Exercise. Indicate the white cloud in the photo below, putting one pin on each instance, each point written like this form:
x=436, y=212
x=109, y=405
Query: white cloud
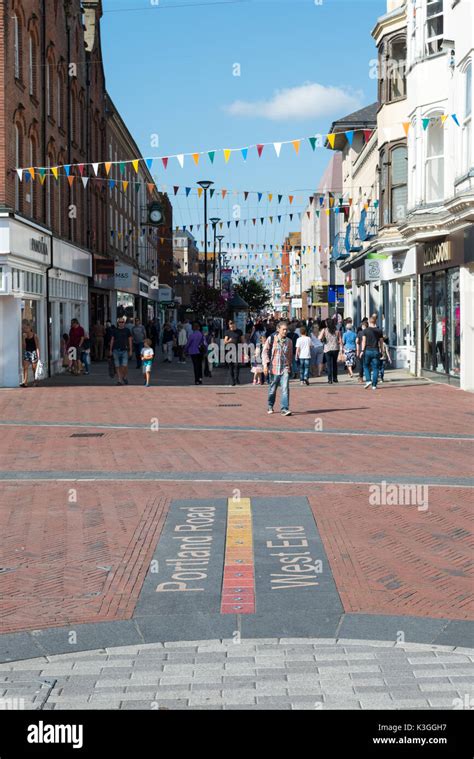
x=310, y=100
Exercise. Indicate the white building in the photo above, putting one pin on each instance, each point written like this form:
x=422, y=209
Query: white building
x=439, y=227
x=43, y=280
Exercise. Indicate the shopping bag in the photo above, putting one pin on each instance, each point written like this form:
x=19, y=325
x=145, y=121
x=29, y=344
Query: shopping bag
x=111, y=367
x=39, y=373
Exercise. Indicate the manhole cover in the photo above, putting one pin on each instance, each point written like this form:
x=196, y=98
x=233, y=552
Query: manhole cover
x=88, y=434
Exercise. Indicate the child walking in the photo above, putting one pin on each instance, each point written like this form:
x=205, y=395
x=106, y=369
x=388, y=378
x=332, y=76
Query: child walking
x=257, y=365
x=147, y=360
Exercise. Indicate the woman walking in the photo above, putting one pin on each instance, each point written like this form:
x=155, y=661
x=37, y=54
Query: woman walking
x=167, y=342
x=31, y=354
x=349, y=341
x=196, y=348
x=331, y=339
x=317, y=352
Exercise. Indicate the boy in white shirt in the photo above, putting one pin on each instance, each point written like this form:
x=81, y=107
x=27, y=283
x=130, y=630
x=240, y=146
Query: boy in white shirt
x=303, y=354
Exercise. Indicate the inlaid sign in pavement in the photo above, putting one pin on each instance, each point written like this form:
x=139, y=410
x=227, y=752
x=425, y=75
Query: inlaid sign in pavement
x=255, y=566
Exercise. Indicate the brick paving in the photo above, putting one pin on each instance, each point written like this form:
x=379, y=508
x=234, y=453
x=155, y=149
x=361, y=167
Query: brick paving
x=281, y=674
x=71, y=560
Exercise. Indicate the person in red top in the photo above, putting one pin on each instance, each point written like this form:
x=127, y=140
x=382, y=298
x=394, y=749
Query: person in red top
x=76, y=338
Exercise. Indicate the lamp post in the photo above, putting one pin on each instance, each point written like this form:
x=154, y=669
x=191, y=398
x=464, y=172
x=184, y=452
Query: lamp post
x=205, y=184
x=220, y=238
x=214, y=221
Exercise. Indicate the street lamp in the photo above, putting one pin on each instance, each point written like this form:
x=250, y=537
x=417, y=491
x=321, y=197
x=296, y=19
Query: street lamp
x=214, y=221
x=205, y=184
x=220, y=238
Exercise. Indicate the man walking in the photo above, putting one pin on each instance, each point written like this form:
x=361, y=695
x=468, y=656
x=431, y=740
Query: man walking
x=372, y=347
x=233, y=337
x=121, y=350
x=139, y=337
x=277, y=359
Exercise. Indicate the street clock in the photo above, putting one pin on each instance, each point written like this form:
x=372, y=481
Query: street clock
x=155, y=213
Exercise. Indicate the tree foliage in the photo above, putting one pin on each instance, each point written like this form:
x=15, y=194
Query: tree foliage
x=254, y=293
x=208, y=302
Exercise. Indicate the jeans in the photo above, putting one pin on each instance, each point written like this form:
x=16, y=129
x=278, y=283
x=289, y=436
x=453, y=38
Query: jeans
x=137, y=347
x=86, y=360
x=281, y=380
x=234, y=370
x=304, y=368
x=331, y=360
x=294, y=365
x=196, y=358
x=371, y=362
x=382, y=368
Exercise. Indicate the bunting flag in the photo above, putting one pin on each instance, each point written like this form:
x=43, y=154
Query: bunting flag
x=290, y=198
x=246, y=195
x=260, y=195
x=70, y=179
x=124, y=186
x=270, y=196
x=279, y=198
x=175, y=188
x=80, y=168
x=211, y=192
x=188, y=190
x=314, y=140
x=20, y=174
x=224, y=193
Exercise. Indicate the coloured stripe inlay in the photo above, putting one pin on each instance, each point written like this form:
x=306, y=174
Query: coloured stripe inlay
x=238, y=586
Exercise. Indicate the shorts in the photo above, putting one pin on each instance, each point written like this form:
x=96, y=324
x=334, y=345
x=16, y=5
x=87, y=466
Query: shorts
x=120, y=358
x=146, y=366
x=350, y=357
x=30, y=356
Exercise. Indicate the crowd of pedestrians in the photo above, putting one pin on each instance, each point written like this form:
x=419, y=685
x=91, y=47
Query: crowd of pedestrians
x=275, y=352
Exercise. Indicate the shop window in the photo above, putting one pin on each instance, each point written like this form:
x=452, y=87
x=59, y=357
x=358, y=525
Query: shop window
x=427, y=322
x=434, y=27
x=454, y=312
x=434, y=168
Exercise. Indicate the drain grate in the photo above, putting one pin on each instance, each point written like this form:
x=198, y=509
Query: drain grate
x=88, y=434
x=229, y=405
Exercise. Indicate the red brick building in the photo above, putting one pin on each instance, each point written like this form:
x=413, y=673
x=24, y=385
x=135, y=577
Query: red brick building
x=59, y=219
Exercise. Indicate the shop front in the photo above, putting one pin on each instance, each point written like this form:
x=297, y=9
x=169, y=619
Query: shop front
x=445, y=271
x=399, y=307
x=68, y=295
x=25, y=255
x=101, y=290
x=126, y=285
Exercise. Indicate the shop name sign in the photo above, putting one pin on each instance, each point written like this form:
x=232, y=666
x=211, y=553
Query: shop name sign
x=436, y=253
x=39, y=246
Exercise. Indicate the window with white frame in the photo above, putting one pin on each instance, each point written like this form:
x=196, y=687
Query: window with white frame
x=434, y=26
x=17, y=46
x=434, y=166
x=467, y=120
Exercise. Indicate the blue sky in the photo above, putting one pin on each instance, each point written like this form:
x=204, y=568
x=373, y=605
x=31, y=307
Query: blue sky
x=170, y=71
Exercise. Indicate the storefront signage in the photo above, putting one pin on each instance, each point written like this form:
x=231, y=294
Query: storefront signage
x=39, y=246
x=123, y=276
x=436, y=253
x=297, y=302
x=373, y=270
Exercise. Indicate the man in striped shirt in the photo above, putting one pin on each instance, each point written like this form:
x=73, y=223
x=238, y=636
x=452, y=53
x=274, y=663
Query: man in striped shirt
x=277, y=356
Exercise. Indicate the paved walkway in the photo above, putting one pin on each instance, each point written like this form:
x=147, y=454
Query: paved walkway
x=253, y=674
x=89, y=474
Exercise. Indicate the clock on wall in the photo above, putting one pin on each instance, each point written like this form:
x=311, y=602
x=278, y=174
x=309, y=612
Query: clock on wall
x=155, y=213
